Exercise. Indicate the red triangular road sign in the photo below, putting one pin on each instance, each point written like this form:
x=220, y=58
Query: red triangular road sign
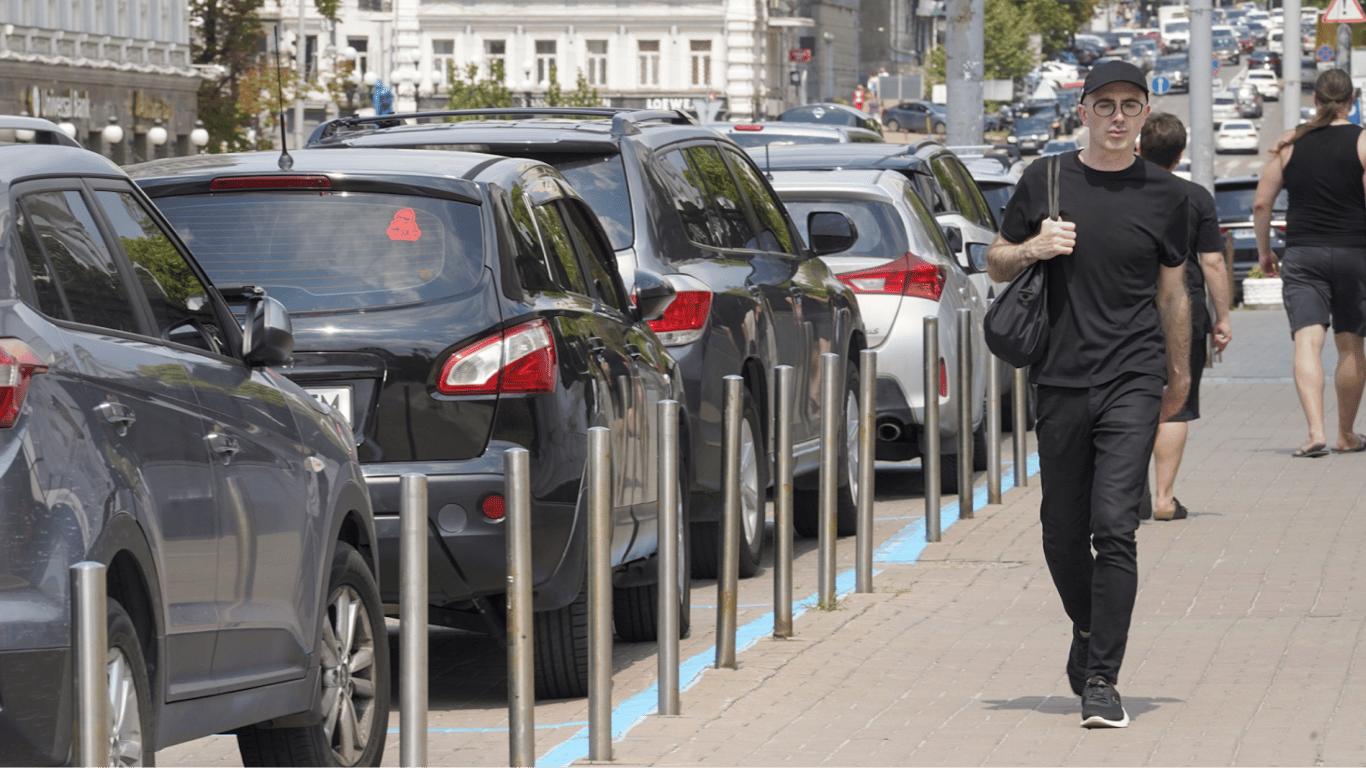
x=1345, y=12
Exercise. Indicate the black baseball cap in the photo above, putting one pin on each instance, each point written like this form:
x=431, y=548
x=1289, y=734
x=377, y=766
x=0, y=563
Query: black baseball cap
x=1113, y=72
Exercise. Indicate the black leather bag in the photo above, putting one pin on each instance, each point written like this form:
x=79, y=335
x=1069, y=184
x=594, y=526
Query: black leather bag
x=1016, y=323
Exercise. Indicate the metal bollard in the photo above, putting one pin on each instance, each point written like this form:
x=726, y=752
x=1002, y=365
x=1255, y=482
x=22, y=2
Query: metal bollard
x=782, y=508
x=521, y=622
x=90, y=655
x=831, y=378
x=867, y=407
x=964, y=328
x=728, y=580
x=993, y=430
x=599, y=594
x=412, y=612
x=1020, y=397
x=930, y=460
x=669, y=555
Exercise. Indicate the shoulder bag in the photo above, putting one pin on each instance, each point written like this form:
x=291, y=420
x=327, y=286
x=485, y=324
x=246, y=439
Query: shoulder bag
x=1016, y=323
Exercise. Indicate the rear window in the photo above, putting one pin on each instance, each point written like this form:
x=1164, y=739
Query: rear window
x=880, y=231
x=333, y=251
x=601, y=181
x=760, y=138
x=1235, y=204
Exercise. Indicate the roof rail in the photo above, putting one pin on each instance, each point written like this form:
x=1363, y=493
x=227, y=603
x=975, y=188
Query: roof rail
x=44, y=131
x=623, y=120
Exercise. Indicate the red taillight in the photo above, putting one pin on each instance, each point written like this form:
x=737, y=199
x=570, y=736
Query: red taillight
x=18, y=363
x=493, y=507
x=908, y=276
x=683, y=321
x=239, y=183
x=517, y=360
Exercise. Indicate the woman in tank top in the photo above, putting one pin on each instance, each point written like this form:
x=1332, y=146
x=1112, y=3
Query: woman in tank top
x=1322, y=165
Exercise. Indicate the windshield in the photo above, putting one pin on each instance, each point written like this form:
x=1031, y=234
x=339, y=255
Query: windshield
x=1179, y=26
x=1171, y=62
x=335, y=251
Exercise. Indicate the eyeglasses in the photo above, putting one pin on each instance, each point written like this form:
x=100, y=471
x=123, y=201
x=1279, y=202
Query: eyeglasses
x=1106, y=107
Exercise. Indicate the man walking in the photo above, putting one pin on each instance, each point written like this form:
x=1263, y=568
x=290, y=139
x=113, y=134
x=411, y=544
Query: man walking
x=1116, y=290
x=1162, y=141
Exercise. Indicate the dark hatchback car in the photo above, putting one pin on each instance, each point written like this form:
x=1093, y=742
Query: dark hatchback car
x=1030, y=134
x=141, y=428
x=451, y=306
x=679, y=200
x=1233, y=202
x=831, y=114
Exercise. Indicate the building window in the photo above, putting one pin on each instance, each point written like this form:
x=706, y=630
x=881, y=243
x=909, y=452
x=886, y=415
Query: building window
x=496, y=59
x=443, y=56
x=701, y=62
x=362, y=46
x=649, y=61
x=377, y=6
x=545, y=60
x=597, y=62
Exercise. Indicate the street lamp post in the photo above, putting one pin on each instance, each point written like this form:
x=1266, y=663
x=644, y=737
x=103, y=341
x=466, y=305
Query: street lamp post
x=526, y=70
x=113, y=140
x=156, y=136
x=199, y=136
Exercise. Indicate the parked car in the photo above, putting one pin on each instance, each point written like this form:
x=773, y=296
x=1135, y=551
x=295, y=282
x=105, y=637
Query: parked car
x=1031, y=134
x=1176, y=68
x=1058, y=146
x=902, y=269
x=759, y=134
x=142, y=429
x=919, y=116
x=681, y=201
x=1268, y=84
x=831, y=114
x=1236, y=136
x=1233, y=203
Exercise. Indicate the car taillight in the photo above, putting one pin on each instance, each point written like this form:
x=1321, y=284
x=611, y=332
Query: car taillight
x=518, y=360
x=685, y=319
x=747, y=127
x=18, y=363
x=908, y=276
x=243, y=183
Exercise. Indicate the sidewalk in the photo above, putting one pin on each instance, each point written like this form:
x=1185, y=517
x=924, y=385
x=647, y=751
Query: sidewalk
x=1244, y=648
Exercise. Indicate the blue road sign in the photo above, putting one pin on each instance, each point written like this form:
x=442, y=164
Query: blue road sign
x=1216, y=65
x=1325, y=53
x=1161, y=85
x=1354, y=114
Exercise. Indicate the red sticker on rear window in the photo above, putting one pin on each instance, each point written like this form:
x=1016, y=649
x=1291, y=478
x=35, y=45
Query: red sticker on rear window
x=404, y=226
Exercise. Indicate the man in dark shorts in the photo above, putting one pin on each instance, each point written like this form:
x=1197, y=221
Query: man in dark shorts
x=1116, y=289
x=1162, y=141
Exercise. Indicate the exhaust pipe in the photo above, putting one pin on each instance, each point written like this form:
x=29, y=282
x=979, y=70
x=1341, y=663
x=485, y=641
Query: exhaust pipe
x=888, y=431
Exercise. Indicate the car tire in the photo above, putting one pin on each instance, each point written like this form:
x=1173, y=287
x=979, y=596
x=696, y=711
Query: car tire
x=351, y=687
x=635, y=610
x=806, y=510
x=893, y=125
x=979, y=446
x=948, y=473
x=941, y=129
x=132, y=721
x=706, y=536
x=561, y=650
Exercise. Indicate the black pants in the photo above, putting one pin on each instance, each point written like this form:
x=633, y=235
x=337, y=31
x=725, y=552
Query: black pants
x=1094, y=447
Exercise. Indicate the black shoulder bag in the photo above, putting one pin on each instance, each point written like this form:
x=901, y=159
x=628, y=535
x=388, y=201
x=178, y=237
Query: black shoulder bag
x=1016, y=323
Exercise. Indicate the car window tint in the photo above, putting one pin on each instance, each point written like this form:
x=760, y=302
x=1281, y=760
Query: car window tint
x=94, y=289
x=602, y=266
x=536, y=272
x=601, y=180
x=929, y=236
x=176, y=295
x=683, y=185
x=973, y=195
x=881, y=233
x=725, y=203
x=559, y=247
x=1235, y=203
x=44, y=287
x=953, y=185
x=774, y=234
x=335, y=251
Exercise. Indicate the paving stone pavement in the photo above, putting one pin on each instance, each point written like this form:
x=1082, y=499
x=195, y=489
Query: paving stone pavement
x=1245, y=647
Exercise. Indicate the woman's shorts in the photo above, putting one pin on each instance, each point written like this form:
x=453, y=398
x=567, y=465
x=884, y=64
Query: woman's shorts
x=1325, y=286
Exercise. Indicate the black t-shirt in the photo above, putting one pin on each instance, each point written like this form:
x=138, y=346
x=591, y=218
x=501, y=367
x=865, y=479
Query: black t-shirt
x=1102, y=306
x=1205, y=238
x=1327, y=204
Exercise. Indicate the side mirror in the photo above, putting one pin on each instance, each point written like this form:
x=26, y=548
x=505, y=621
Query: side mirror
x=955, y=238
x=267, y=333
x=831, y=232
x=652, y=295
x=977, y=254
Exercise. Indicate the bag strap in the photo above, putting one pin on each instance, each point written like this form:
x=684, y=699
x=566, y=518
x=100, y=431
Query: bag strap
x=1054, y=171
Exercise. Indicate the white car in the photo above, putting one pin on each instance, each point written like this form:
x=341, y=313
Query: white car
x=1225, y=106
x=1236, y=136
x=1266, y=82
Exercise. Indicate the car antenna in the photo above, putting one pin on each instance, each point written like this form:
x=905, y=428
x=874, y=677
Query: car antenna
x=768, y=164
x=286, y=162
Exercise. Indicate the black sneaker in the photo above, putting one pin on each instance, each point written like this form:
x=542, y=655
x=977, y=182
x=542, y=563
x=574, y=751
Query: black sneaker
x=1077, y=657
x=1100, y=706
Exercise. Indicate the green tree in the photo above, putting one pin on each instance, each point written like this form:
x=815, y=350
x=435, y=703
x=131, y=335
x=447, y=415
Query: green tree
x=1005, y=31
x=468, y=91
x=228, y=34
x=583, y=94
x=1053, y=21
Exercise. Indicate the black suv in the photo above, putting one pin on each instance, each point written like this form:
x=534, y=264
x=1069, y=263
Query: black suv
x=140, y=428
x=679, y=200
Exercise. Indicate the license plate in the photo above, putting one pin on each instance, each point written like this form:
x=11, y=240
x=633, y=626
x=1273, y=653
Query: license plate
x=338, y=398
x=1244, y=234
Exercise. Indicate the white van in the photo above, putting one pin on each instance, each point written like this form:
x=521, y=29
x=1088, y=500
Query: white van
x=1275, y=40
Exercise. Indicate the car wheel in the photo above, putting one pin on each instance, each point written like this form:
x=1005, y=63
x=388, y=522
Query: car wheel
x=893, y=125
x=806, y=507
x=948, y=473
x=706, y=537
x=635, y=610
x=131, y=719
x=562, y=650
x=354, y=651
x=941, y=129
x=979, y=446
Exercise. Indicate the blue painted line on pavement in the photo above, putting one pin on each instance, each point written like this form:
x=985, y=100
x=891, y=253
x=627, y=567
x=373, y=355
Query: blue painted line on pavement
x=496, y=730
x=646, y=703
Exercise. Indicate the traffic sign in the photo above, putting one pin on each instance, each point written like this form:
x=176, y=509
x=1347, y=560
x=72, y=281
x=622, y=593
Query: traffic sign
x=1345, y=12
x=799, y=54
x=1325, y=53
x=1354, y=114
x=1216, y=65
x=1161, y=85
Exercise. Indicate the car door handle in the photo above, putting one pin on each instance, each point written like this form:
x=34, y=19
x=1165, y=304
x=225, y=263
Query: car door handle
x=754, y=289
x=223, y=446
x=596, y=344
x=118, y=414
x=795, y=290
x=633, y=351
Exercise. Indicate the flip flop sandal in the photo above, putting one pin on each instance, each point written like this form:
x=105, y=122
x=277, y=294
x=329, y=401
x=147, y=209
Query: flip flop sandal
x=1313, y=451
x=1179, y=513
x=1361, y=446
